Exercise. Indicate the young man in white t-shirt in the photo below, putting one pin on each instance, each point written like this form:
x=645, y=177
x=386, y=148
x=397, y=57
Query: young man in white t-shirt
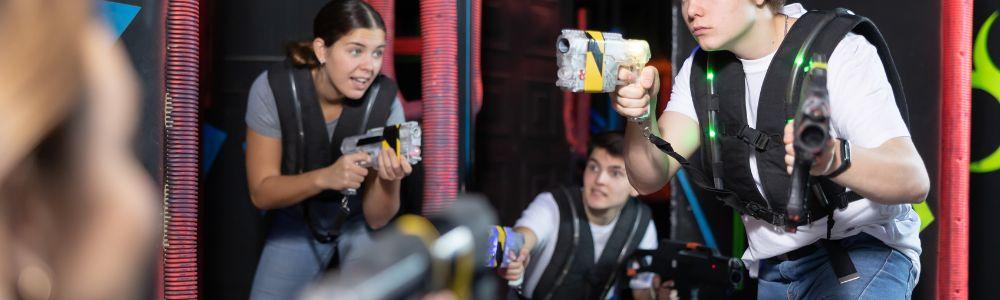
x=607, y=210
x=879, y=232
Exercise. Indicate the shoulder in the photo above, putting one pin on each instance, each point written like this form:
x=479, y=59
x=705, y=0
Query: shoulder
x=261, y=84
x=853, y=47
x=545, y=200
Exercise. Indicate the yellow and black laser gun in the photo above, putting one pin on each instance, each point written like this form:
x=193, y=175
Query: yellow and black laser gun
x=403, y=138
x=589, y=60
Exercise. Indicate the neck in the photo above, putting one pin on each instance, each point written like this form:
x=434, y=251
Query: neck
x=762, y=38
x=325, y=90
x=603, y=216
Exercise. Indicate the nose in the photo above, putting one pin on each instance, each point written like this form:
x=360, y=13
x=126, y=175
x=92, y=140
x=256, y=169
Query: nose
x=694, y=9
x=602, y=178
x=369, y=63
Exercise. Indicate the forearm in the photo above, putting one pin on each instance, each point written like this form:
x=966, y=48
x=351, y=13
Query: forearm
x=530, y=239
x=889, y=174
x=381, y=201
x=284, y=190
x=647, y=167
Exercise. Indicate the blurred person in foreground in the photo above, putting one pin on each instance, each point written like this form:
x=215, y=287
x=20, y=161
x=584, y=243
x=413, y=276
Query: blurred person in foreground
x=77, y=216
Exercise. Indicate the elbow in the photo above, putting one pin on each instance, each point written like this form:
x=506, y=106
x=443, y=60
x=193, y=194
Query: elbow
x=916, y=189
x=376, y=222
x=258, y=202
x=920, y=188
x=380, y=218
x=646, y=189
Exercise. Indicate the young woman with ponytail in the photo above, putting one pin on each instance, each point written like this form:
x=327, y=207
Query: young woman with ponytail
x=332, y=74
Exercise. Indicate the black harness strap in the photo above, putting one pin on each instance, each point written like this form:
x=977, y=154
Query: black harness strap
x=306, y=143
x=570, y=232
x=575, y=274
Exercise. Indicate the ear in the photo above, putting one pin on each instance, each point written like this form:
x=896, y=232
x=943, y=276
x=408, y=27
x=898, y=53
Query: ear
x=319, y=49
x=634, y=192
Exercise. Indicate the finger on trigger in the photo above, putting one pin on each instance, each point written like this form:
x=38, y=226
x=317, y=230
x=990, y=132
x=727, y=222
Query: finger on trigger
x=648, y=74
x=624, y=74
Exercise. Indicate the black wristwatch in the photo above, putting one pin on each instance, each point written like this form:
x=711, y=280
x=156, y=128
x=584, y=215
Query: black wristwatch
x=845, y=159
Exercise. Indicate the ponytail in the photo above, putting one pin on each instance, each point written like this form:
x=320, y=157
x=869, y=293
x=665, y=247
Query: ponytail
x=301, y=55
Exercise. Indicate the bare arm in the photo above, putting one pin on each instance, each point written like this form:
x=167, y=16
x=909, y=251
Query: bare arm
x=648, y=168
x=892, y=173
x=381, y=200
x=270, y=190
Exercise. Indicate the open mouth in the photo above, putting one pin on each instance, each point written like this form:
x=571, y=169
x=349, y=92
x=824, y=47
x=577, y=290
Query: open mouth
x=360, y=80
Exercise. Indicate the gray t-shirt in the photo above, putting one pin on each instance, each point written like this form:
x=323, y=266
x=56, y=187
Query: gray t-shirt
x=262, y=111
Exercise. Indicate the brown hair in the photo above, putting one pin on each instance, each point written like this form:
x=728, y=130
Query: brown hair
x=333, y=21
x=611, y=141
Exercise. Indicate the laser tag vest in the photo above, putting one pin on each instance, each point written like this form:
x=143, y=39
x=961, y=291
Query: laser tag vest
x=572, y=272
x=305, y=143
x=816, y=32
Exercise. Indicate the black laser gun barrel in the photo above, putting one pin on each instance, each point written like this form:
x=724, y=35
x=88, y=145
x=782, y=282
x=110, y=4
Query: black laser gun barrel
x=812, y=133
x=691, y=265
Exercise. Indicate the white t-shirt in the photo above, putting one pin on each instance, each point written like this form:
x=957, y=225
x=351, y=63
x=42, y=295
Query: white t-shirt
x=542, y=217
x=864, y=112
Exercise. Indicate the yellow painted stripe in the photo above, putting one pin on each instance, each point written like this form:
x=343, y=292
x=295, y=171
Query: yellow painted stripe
x=593, y=81
x=502, y=240
x=599, y=37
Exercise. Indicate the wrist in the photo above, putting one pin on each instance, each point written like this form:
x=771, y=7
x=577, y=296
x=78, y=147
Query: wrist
x=843, y=159
x=318, y=181
x=834, y=159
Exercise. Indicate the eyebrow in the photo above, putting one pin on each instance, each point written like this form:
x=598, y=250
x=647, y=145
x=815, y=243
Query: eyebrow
x=364, y=46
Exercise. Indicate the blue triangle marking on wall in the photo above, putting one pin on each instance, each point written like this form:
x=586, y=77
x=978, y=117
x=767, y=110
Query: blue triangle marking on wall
x=118, y=16
x=211, y=143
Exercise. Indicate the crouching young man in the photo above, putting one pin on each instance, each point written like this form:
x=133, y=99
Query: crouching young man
x=578, y=240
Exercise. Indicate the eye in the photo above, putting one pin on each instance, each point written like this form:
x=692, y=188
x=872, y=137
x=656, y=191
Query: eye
x=354, y=52
x=593, y=168
x=377, y=53
x=617, y=173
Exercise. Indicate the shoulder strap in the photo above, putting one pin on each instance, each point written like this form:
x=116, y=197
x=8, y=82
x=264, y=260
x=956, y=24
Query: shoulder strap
x=846, y=21
x=572, y=230
x=289, y=116
x=628, y=232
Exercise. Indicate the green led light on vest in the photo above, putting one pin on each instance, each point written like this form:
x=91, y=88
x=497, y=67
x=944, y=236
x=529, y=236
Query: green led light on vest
x=711, y=75
x=799, y=59
x=711, y=131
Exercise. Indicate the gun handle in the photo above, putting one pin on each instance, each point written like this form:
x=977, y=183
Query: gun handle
x=516, y=283
x=796, y=197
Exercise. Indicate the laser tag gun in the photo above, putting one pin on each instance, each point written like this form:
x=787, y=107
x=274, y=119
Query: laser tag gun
x=403, y=138
x=503, y=241
x=812, y=133
x=417, y=255
x=589, y=60
x=690, y=265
